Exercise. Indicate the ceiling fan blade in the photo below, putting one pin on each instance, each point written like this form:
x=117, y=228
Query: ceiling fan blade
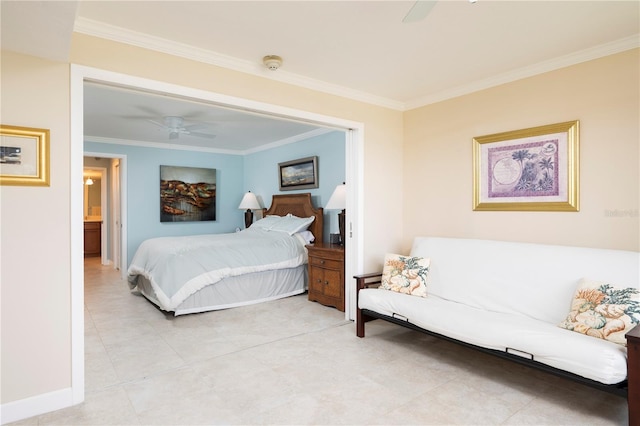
x=195, y=126
x=202, y=135
x=157, y=123
x=419, y=11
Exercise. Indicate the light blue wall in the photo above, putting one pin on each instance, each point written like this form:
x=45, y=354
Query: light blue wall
x=143, y=191
x=261, y=171
x=235, y=174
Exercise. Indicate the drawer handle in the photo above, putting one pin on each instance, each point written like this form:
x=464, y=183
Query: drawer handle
x=322, y=261
x=319, y=280
x=326, y=282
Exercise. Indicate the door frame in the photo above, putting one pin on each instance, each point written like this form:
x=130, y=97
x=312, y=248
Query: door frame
x=354, y=148
x=107, y=230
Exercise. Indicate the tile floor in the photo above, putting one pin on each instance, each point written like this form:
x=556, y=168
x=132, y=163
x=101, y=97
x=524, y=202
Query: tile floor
x=297, y=362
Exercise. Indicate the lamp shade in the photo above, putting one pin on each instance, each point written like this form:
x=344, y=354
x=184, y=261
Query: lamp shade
x=338, y=200
x=249, y=201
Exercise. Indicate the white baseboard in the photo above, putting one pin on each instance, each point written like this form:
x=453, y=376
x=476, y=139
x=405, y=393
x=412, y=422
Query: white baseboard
x=33, y=406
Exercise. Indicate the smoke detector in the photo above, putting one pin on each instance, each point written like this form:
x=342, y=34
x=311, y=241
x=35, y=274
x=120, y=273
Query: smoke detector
x=273, y=62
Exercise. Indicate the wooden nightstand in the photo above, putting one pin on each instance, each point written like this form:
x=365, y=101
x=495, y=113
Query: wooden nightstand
x=326, y=274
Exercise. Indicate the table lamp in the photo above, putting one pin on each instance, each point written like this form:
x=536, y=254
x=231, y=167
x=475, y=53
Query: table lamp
x=338, y=201
x=249, y=202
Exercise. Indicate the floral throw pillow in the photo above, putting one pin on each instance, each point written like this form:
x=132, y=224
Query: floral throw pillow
x=405, y=274
x=601, y=310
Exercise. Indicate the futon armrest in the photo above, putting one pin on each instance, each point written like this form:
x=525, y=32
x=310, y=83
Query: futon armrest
x=364, y=281
x=634, y=333
x=368, y=280
x=633, y=374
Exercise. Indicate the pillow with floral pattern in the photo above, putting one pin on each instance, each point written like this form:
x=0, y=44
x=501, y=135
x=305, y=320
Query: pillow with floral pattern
x=604, y=311
x=405, y=274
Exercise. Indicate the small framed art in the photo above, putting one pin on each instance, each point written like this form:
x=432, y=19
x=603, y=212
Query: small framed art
x=298, y=174
x=24, y=156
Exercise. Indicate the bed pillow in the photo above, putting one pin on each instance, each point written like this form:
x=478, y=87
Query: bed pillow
x=601, y=310
x=292, y=224
x=305, y=236
x=266, y=222
x=405, y=274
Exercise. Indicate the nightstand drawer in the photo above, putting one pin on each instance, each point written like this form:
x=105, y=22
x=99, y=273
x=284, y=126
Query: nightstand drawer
x=325, y=263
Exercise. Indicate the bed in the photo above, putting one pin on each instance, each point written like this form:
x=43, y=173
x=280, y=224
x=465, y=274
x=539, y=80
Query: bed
x=200, y=273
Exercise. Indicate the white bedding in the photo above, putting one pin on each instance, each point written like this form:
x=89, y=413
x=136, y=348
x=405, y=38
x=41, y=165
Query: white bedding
x=178, y=267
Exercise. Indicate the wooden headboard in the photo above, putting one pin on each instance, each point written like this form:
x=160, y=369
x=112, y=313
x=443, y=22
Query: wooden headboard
x=298, y=205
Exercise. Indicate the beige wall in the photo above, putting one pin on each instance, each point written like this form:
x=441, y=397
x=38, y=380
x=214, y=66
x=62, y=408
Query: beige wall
x=426, y=185
x=35, y=238
x=36, y=286
x=603, y=94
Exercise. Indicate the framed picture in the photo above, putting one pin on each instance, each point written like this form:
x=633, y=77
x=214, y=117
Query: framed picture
x=24, y=156
x=298, y=174
x=532, y=169
x=187, y=194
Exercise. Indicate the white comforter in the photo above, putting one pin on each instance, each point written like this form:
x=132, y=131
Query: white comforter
x=177, y=267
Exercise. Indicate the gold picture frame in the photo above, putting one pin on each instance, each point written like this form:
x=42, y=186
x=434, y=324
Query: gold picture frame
x=534, y=169
x=24, y=156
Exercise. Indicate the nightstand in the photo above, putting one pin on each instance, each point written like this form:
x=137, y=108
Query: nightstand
x=326, y=274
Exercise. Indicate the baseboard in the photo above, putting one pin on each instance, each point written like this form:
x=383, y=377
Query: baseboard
x=36, y=405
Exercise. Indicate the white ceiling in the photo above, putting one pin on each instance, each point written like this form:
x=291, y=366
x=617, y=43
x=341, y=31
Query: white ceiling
x=357, y=49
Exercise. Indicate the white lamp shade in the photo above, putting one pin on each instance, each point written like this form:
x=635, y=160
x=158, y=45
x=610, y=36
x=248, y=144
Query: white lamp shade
x=249, y=201
x=338, y=200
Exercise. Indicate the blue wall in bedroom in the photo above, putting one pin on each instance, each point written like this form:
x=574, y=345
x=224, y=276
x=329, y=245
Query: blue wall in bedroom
x=261, y=172
x=143, y=190
x=235, y=174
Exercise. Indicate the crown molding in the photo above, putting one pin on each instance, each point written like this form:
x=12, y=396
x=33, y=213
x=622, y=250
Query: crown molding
x=303, y=136
x=146, y=41
x=575, y=58
x=122, y=35
x=158, y=145
x=186, y=147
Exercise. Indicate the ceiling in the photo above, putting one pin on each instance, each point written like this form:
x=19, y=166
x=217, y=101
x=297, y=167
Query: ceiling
x=356, y=49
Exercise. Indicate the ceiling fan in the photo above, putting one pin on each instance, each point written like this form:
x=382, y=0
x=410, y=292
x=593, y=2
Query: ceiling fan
x=419, y=11
x=175, y=127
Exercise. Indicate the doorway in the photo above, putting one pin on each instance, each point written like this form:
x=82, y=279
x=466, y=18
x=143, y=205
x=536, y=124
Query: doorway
x=110, y=212
x=353, y=173
x=95, y=210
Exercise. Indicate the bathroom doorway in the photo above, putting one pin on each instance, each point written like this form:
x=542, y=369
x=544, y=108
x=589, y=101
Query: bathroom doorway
x=107, y=171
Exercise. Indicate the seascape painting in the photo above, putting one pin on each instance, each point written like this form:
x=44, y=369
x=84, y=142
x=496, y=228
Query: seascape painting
x=187, y=194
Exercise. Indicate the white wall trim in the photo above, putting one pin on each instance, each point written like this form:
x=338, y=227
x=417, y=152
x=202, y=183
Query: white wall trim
x=146, y=41
x=77, y=235
x=35, y=405
x=575, y=58
x=122, y=35
x=184, y=147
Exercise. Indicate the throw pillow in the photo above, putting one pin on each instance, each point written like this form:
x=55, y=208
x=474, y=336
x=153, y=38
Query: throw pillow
x=405, y=274
x=604, y=311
